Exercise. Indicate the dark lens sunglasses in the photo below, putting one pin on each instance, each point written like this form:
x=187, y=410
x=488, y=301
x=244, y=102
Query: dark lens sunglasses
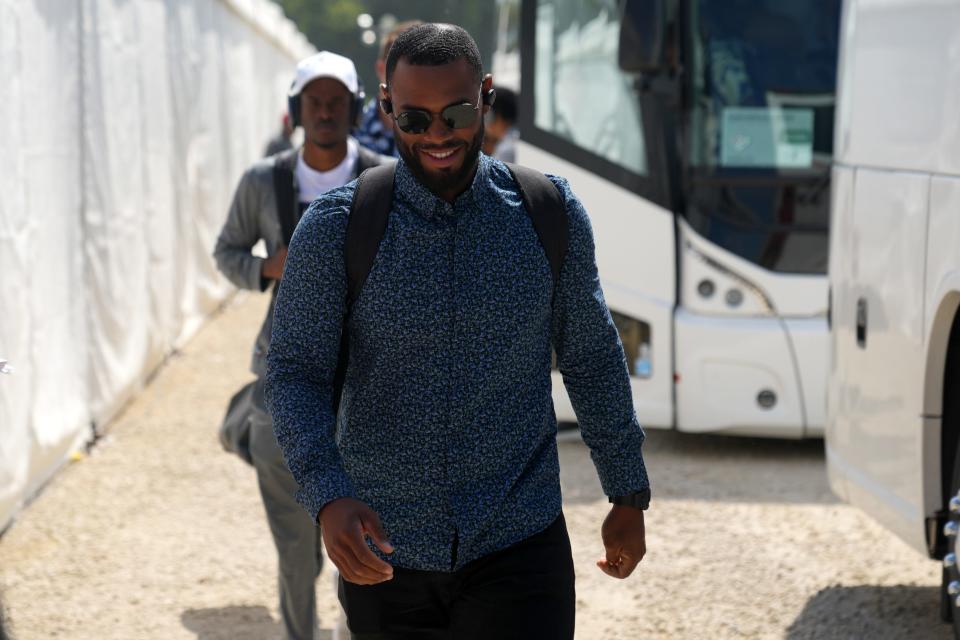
x=416, y=121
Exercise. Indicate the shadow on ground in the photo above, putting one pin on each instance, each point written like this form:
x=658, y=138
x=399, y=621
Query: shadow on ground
x=882, y=613
x=236, y=623
x=689, y=466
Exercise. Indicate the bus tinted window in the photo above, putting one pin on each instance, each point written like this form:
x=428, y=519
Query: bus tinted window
x=763, y=83
x=580, y=93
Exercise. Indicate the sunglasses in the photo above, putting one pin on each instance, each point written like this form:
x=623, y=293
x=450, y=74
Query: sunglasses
x=416, y=121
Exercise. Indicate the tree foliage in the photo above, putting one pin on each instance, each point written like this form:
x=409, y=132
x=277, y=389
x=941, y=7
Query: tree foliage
x=332, y=25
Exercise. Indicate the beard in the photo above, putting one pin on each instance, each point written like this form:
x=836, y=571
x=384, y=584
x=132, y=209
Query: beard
x=325, y=134
x=325, y=145
x=446, y=180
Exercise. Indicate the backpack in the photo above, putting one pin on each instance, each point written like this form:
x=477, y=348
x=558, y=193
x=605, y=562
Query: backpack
x=370, y=211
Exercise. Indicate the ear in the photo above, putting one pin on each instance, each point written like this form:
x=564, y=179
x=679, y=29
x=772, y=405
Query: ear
x=386, y=104
x=488, y=92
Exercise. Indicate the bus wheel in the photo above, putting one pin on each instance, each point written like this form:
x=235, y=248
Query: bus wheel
x=950, y=590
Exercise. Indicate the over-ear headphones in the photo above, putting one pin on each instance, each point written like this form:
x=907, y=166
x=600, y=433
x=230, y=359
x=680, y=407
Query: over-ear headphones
x=293, y=108
x=356, y=106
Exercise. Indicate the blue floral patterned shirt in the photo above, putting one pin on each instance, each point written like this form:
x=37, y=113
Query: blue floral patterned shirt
x=447, y=428
x=372, y=134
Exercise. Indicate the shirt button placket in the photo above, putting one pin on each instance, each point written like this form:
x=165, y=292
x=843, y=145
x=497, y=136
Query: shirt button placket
x=455, y=418
x=450, y=338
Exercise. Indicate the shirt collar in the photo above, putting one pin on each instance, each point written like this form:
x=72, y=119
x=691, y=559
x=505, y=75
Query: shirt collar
x=428, y=203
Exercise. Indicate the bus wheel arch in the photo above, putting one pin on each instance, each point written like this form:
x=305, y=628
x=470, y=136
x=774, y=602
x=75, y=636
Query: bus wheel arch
x=941, y=449
x=942, y=375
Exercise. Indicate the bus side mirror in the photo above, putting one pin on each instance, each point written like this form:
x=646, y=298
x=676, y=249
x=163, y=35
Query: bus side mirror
x=642, y=36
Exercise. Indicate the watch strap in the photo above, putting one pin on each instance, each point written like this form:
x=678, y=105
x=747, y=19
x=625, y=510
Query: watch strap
x=637, y=499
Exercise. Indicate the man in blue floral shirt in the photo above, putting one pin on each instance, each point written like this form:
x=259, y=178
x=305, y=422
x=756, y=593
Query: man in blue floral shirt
x=437, y=485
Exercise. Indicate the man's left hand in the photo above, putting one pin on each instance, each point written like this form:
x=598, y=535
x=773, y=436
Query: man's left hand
x=624, y=537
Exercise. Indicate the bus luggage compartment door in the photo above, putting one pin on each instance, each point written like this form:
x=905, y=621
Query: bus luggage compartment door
x=759, y=376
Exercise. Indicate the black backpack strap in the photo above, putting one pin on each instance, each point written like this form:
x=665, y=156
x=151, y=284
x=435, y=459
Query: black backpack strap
x=367, y=159
x=283, y=191
x=547, y=211
x=369, y=212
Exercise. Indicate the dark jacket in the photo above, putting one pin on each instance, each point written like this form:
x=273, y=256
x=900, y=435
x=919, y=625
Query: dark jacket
x=253, y=217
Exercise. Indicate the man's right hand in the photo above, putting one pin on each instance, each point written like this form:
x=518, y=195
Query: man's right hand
x=344, y=524
x=272, y=267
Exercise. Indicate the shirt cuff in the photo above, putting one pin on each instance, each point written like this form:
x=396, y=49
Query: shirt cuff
x=314, y=497
x=622, y=472
x=255, y=276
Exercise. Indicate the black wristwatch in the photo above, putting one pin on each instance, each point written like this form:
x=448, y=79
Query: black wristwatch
x=637, y=499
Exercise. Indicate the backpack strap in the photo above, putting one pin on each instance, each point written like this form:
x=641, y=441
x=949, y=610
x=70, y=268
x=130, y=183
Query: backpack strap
x=367, y=159
x=369, y=212
x=367, y=224
x=283, y=191
x=547, y=211
x=373, y=198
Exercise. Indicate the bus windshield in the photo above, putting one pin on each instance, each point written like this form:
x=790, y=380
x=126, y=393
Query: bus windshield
x=763, y=83
x=759, y=128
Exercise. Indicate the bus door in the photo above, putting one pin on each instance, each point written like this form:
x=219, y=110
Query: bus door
x=582, y=118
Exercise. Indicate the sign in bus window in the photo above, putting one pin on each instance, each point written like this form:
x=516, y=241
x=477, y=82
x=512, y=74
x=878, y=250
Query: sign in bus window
x=765, y=137
x=635, y=336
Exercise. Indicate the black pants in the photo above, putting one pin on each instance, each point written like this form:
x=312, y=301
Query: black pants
x=525, y=592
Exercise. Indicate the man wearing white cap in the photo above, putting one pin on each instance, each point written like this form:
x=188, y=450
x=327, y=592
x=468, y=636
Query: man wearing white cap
x=325, y=99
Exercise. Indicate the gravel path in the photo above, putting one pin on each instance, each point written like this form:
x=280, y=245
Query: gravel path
x=159, y=534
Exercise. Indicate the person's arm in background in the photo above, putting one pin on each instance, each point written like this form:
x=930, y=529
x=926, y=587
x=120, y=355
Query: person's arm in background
x=590, y=358
x=239, y=235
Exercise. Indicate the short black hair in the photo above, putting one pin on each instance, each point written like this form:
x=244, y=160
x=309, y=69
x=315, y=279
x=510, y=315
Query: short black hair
x=505, y=106
x=434, y=44
x=391, y=37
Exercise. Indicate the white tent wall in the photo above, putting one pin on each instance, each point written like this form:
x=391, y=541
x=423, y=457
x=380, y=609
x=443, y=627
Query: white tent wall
x=44, y=405
x=125, y=126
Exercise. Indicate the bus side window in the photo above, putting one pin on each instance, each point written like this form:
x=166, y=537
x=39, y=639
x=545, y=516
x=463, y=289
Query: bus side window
x=581, y=94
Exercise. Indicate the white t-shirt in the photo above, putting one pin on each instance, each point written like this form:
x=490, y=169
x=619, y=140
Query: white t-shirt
x=312, y=183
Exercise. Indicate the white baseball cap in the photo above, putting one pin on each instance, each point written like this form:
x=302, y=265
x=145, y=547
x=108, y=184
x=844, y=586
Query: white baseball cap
x=325, y=64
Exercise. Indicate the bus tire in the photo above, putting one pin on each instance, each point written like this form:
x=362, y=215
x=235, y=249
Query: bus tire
x=950, y=602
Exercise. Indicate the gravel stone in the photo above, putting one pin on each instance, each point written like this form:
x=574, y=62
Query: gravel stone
x=160, y=534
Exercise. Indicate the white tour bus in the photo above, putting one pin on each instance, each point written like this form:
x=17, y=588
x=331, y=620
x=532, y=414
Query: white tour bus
x=698, y=134
x=893, y=417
